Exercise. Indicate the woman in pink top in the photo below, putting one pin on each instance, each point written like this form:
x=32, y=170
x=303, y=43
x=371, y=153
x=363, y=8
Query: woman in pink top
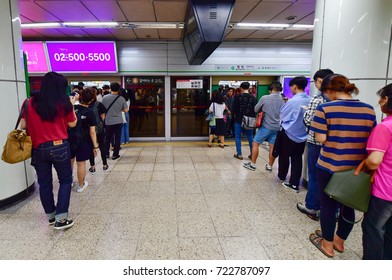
x=377, y=224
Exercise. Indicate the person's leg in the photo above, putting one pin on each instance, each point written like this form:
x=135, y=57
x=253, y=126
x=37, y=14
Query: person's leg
x=271, y=138
x=388, y=238
x=249, y=135
x=297, y=150
x=62, y=165
x=283, y=159
x=127, y=128
x=374, y=228
x=122, y=140
x=312, y=200
x=43, y=168
x=102, y=148
x=237, y=132
x=108, y=139
x=117, y=137
x=327, y=211
x=92, y=157
x=260, y=136
x=81, y=171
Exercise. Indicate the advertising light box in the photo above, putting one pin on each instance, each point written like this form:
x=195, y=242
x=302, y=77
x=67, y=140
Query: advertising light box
x=36, y=58
x=77, y=57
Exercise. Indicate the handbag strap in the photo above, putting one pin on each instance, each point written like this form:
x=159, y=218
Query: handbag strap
x=112, y=103
x=24, y=109
x=359, y=169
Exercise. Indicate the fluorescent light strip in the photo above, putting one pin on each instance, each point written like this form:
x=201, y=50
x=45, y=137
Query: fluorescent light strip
x=90, y=24
x=41, y=25
x=243, y=25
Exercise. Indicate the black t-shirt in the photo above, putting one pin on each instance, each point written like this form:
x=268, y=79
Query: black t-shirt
x=87, y=120
x=244, y=104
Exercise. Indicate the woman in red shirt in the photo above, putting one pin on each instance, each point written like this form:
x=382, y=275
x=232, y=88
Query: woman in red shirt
x=49, y=115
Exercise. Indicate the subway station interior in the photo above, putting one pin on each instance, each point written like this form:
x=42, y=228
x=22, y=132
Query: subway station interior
x=169, y=196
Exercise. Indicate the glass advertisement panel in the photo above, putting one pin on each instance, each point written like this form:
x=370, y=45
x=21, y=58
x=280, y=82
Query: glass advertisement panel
x=147, y=106
x=189, y=100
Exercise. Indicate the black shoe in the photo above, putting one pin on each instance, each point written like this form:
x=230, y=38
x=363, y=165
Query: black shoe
x=63, y=224
x=313, y=214
x=52, y=221
x=115, y=157
x=290, y=186
x=105, y=167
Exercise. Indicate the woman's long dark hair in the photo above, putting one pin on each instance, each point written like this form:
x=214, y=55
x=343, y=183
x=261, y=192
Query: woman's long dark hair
x=52, y=100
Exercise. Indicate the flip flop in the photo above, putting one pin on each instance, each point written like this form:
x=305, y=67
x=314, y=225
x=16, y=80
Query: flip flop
x=317, y=241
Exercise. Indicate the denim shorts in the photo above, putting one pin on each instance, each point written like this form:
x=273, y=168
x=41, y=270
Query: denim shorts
x=264, y=134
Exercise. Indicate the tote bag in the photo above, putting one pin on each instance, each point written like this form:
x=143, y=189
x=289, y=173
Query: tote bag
x=351, y=188
x=18, y=145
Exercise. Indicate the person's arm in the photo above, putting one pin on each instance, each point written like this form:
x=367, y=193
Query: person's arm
x=378, y=143
x=374, y=160
x=93, y=136
x=308, y=116
x=259, y=105
x=321, y=137
x=319, y=125
x=72, y=99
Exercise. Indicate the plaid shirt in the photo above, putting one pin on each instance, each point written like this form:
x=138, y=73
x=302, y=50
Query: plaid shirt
x=308, y=116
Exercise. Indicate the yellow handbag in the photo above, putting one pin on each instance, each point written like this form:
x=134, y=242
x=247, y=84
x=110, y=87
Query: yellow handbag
x=18, y=145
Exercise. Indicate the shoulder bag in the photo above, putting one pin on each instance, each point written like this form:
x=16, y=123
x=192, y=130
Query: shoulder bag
x=212, y=122
x=248, y=123
x=351, y=188
x=259, y=119
x=18, y=145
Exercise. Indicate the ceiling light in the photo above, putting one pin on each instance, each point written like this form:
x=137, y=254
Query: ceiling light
x=41, y=25
x=263, y=25
x=90, y=24
x=302, y=27
x=149, y=25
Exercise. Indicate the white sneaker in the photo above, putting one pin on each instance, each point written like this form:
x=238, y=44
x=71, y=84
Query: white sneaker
x=80, y=189
x=268, y=167
x=250, y=166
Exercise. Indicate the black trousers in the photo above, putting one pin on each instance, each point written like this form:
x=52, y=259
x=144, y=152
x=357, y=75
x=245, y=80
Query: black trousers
x=113, y=130
x=102, y=149
x=377, y=230
x=290, y=152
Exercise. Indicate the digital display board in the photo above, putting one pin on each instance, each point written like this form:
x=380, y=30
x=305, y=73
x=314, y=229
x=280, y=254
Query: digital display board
x=36, y=58
x=286, y=87
x=76, y=57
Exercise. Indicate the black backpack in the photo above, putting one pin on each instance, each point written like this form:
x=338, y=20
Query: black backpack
x=76, y=133
x=99, y=126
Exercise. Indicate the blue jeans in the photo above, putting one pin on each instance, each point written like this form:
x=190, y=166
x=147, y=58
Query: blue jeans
x=312, y=200
x=43, y=158
x=125, y=130
x=249, y=135
x=377, y=230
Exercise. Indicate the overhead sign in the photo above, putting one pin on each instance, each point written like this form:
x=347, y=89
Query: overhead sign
x=36, y=58
x=77, y=57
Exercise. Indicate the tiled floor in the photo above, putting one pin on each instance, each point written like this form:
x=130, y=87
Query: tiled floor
x=172, y=201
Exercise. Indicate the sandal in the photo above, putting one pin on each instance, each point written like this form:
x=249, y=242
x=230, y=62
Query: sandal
x=320, y=234
x=317, y=241
x=238, y=157
x=209, y=145
x=222, y=146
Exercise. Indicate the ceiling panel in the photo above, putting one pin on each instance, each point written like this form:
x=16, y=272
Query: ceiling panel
x=24, y=20
x=30, y=34
x=307, y=36
x=67, y=10
x=144, y=34
x=265, y=11
x=50, y=32
x=99, y=33
x=261, y=34
x=307, y=20
x=171, y=11
x=138, y=10
x=105, y=10
x=35, y=13
x=239, y=33
x=281, y=35
x=242, y=8
x=74, y=33
x=123, y=34
x=170, y=34
x=297, y=10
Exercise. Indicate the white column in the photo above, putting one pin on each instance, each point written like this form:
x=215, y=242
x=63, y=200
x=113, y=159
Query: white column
x=15, y=178
x=353, y=38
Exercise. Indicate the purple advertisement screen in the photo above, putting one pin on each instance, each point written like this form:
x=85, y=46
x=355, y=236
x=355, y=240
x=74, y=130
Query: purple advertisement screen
x=286, y=87
x=82, y=56
x=36, y=59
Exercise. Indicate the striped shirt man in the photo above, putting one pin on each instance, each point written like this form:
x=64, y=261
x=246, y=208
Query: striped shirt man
x=347, y=124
